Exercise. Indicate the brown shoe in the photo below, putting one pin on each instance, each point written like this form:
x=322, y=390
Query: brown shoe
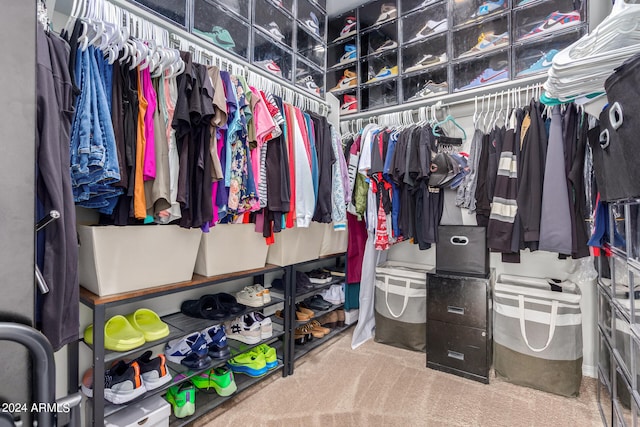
x=340, y=314
x=318, y=327
x=305, y=311
x=329, y=320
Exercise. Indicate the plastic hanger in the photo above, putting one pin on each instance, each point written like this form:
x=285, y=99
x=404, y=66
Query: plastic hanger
x=448, y=119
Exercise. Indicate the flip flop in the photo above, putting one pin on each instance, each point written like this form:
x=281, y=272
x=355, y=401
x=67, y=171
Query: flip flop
x=229, y=303
x=119, y=335
x=149, y=323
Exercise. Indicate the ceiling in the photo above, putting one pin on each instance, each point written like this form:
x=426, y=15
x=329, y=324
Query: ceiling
x=336, y=7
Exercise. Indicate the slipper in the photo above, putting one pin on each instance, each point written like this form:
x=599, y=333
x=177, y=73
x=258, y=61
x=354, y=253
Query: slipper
x=207, y=307
x=119, y=335
x=229, y=303
x=149, y=323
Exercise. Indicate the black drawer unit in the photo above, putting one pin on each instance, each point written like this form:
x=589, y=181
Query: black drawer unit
x=459, y=331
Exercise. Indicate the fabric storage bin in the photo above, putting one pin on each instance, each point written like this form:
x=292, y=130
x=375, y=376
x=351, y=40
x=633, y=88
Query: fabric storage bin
x=538, y=336
x=333, y=242
x=295, y=245
x=351, y=316
x=228, y=248
x=462, y=249
x=151, y=412
x=400, y=302
x=116, y=259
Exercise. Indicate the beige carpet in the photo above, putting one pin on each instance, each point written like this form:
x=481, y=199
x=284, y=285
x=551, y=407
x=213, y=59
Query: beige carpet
x=378, y=385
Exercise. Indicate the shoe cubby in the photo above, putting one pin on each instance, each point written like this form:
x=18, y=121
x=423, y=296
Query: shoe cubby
x=379, y=94
x=273, y=22
x=239, y=7
x=419, y=57
x=343, y=54
x=604, y=396
x=348, y=103
x=214, y=24
x=535, y=57
x=266, y=53
x=377, y=12
x=545, y=18
x=425, y=24
x=175, y=11
x=309, y=78
x=480, y=72
x=310, y=47
x=425, y=84
x=409, y=6
x=312, y=18
x=605, y=315
x=342, y=27
x=283, y=5
x=342, y=80
x=481, y=39
x=378, y=69
x=380, y=41
x=471, y=12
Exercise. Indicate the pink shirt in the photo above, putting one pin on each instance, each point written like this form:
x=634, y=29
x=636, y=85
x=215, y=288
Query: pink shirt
x=149, y=168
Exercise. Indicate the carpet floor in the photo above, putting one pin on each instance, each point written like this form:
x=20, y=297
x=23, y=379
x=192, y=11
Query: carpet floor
x=379, y=385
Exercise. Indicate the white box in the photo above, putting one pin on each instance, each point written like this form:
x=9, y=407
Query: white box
x=228, y=248
x=115, y=259
x=151, y=412
x=351, y=316
x=333, y=242
x=296, y=245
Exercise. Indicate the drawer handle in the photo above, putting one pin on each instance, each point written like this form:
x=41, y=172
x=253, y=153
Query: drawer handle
x=455, y=355
x=459, y=240
x=455, y=310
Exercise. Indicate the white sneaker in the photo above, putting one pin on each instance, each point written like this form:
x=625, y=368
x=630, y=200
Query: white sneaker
x=239, y=330
x=332, y=295
x=266, y=326
x=249, y=296
x=261, y=290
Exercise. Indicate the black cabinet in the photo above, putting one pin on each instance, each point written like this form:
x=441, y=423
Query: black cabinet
x=459, y=338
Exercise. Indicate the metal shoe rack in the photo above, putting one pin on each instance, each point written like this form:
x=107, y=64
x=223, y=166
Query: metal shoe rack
x=516, y=17
x=181, y=325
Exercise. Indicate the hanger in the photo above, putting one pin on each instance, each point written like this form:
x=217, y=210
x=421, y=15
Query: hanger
x=448, y=119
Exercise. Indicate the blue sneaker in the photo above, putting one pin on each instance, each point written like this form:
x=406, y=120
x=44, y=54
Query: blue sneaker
x=216, y=342
x=350, y=54
x=488, y=7
x=525, y=2
x=542, y=64
x=488, y=76
x=251, y=363
x=190, y=351
x=487, y=42
x=385, y=73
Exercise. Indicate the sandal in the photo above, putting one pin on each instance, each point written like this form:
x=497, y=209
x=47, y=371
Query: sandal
x=229, y=303
x=207, y=307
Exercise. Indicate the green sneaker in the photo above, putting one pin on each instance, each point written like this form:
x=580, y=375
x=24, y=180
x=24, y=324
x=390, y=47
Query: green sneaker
x=270, y=355
x=222, y=380
x=182, y=398
x=251, y=363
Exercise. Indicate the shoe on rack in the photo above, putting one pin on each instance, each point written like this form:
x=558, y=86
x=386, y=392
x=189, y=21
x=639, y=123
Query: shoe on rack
x=216, y=339
x=388, y=45
x=270, y=355
x=333, y=294
x=239, y=330
x=305, y=311
x=385, y=73
x=488, y=7
x=119, y=335
x=274, y=30
x=250, y=296
x=329, y=320
x=316, y=302
x=149, y=323
x=190, y=351
x=348, y=79
x=250, y=363
x=219, y=36
x=313, y=24
x=388, y=11
x=554, y=22
x=350, y=54
x=269, y=65
x=489, y=75
x=266, y=326
x=431, y=88
x=426, y=61
x=315, y=324
x=319, y=276
x=122, y=383
x=336, y=271
x=487, y=42
x=303, y=284
x=221, y=379
x=542, y=64
x=348, y=29
x=182, y=398
x=153, y=371
x=350, y=105
x=429, y=28
x=266, y=293
x=341, y=317
x=303, y=335
x=308, y=84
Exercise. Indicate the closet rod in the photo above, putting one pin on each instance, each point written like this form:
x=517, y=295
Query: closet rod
x=161, y=22
x=448, y=100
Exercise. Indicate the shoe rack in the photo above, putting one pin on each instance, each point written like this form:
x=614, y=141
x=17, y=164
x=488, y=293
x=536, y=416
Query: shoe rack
x=456, y=44
x=103, y=307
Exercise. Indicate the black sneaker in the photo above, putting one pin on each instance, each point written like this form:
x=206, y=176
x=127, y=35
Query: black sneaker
x=303, y=284
x=122, y=383
x=319, y=276
x=154, y=371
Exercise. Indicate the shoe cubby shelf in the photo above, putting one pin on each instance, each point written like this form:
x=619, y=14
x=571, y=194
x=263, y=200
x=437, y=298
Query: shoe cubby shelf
x=467, y=33
x=301, y=350
x=181, y=325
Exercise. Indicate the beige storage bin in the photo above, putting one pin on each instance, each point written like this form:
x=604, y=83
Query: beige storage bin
x=228, y=248
x=333, y=242
x=151, y=412
x=122, y=259
x=296, y=245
